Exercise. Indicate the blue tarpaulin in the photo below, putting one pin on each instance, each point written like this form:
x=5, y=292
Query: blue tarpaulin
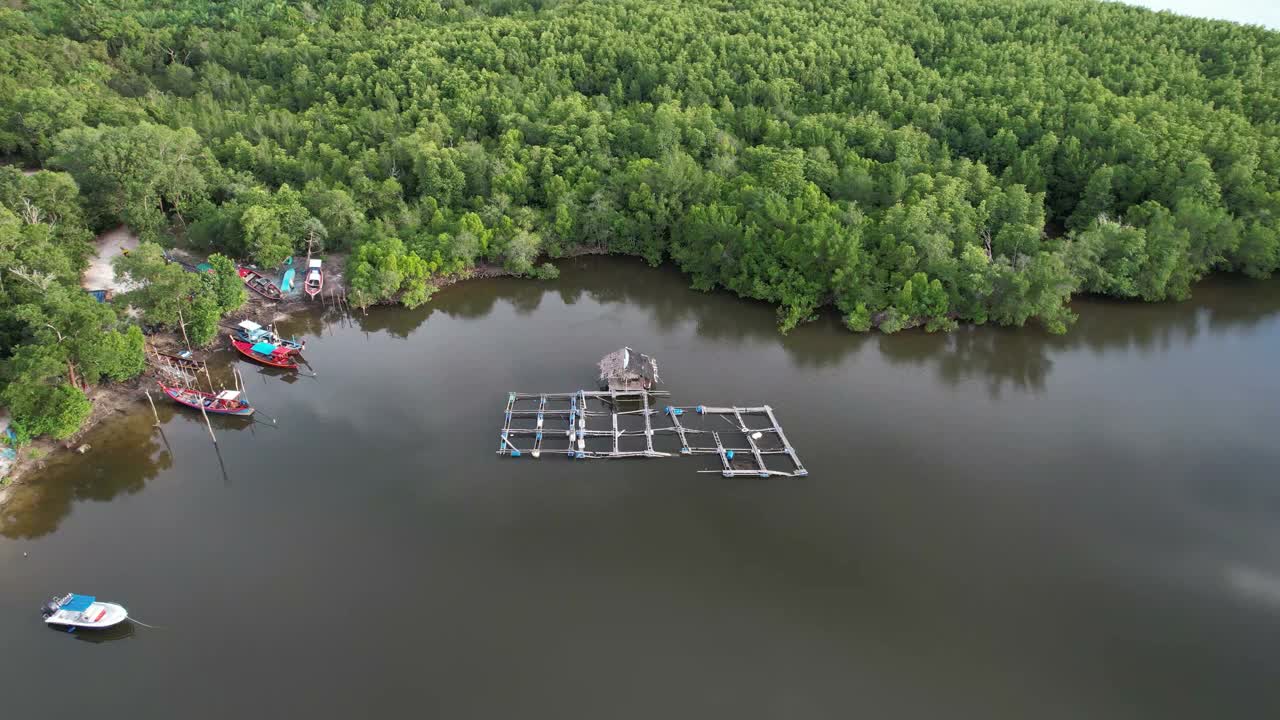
x=78, y=603
x=264, y=348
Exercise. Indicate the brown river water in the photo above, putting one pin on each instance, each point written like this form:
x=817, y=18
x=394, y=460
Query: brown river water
x=997, y=523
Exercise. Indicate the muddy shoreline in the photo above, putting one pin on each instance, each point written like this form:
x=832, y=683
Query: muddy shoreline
x=120, y=398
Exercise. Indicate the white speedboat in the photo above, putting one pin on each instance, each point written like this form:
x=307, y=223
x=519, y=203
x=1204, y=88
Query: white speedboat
x=83, y=611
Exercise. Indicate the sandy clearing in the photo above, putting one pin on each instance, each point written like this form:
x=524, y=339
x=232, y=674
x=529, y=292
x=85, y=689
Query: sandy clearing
x=109, y=245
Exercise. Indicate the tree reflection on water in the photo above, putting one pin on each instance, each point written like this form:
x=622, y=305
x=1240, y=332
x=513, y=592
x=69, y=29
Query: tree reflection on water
x=128, y=452
x=1013, y=359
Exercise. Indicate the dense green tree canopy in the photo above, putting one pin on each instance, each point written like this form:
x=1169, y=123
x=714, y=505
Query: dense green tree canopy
x=55, y=339
x=908, y=163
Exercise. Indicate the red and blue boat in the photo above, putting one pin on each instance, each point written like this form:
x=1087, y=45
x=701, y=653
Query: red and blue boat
x=266, y=353
x=251, y=332
x=227, y=402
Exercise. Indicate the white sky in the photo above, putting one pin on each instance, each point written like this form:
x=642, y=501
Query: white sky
x=1256, y=12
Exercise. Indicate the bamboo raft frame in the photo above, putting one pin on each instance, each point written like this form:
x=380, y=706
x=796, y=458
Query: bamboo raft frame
x=578, y=421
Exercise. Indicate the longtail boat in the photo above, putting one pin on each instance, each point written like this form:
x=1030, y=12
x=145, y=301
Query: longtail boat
x=265, y=353
x=227, y=402
x=315, y=278
x=259, y=283
x=251, y=332
x=186, y=363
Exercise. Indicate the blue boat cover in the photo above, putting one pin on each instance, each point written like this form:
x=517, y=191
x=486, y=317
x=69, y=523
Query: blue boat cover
x=78, y=603
x=286, y=283
x=263, y=348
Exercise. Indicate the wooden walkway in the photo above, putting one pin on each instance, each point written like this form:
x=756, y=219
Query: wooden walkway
x=623, y=424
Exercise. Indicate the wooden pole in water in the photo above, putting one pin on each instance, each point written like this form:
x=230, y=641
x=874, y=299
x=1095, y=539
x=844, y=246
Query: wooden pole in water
x=208, y=424
x=153, y=408
x=235, y=373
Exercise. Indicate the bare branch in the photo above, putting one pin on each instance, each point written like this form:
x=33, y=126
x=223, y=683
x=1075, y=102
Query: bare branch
x=43, y=281
x=30, y=213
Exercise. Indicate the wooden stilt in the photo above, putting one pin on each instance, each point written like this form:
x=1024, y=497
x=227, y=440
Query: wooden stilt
x=183, y=325
x=614, y=402
x=208, y=424
x=648, y=426
x=153, y=408
x=537, y=440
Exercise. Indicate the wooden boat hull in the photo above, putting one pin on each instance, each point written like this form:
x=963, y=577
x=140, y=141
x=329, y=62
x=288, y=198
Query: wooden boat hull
x=313, y=288
x=259, y=284
x=179, y=361
x=176, y=394
x=246, y=349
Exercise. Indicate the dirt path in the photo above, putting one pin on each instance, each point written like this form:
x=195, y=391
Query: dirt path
x=110, y=245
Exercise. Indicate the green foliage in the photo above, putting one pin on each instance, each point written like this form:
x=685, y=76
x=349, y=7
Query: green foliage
x=40, y=401
x=922, y=300
x=202, y=319
x=382, y=270
x=805, y=154
x=227, y=287
x=166, y=294
x=162, y=289
x=273, y=227
x=133, y=174
x=114, y=355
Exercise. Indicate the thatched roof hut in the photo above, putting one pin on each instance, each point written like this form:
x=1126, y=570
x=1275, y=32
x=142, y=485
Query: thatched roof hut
x=626, y=369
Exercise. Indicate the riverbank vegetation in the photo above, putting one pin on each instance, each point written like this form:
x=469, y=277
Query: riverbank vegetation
x=59, y=340
x=909, y=163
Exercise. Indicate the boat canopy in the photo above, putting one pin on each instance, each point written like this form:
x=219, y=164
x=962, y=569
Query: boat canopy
x=229, y=395
x=250, y=325
x=78, y=603
x=263, y=348
x=313, y=263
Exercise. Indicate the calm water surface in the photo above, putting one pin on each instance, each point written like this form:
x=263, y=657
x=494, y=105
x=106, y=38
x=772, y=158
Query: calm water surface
x=997, y=524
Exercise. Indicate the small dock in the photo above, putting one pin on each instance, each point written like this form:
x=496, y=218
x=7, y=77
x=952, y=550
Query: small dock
x=617, y=423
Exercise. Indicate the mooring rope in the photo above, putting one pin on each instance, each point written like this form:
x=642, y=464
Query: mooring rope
x=139, y=622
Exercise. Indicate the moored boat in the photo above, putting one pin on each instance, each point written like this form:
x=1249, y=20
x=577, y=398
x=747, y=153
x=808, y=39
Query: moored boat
x=259, y=283
x=251, y=332
x=186, y=362
x=315, y=278
x=82, y=611
x=227, y=402
x=265, y=353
